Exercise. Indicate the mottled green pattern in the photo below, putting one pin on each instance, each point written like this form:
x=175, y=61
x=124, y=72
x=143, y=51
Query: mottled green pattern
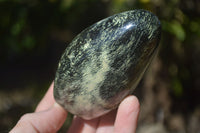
x=105, y=62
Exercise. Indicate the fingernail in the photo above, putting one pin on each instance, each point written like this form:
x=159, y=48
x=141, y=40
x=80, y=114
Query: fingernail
x=56, y=105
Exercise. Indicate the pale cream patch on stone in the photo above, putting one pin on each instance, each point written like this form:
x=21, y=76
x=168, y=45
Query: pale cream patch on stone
x=151, y=31
x=86, y=46
x=91, y=79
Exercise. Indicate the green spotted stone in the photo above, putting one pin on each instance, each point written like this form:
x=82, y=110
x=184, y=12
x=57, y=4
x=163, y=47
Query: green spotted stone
x=105, y=62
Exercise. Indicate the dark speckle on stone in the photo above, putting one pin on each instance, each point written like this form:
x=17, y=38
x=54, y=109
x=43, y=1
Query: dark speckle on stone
x=105, y=62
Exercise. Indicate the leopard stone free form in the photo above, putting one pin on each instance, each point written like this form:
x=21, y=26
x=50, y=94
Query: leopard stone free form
x=105, y=62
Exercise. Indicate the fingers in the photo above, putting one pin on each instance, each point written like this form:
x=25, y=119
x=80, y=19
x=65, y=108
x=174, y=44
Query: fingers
x=127, y=115
x=83, y=126
x=47, y=101
x=106, y=122
x=48, y=121
x=124, y=122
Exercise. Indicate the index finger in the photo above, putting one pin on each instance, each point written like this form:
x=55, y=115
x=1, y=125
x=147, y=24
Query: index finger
x=127, y=115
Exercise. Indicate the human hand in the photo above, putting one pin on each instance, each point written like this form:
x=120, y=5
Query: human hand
x=49, y=117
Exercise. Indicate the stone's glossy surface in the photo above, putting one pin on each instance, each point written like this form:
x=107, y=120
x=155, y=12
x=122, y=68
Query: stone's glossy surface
x=105, y=62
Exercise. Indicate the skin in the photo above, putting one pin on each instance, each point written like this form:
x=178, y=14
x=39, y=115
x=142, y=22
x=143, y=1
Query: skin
x=49, y=117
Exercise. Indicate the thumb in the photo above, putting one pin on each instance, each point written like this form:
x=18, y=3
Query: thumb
x=48, y=121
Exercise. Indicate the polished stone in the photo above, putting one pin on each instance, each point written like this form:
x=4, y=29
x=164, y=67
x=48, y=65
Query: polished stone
x=105, y=62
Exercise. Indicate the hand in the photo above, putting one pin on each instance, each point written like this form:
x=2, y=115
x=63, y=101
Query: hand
x=49, y=117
